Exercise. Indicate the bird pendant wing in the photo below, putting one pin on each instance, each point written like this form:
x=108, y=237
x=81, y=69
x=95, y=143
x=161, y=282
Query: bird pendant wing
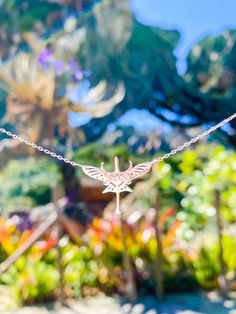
x=139, y=170
x=95, y=173
x=123, y=177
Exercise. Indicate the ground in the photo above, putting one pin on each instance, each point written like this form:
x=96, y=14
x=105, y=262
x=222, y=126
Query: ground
x=173, y=304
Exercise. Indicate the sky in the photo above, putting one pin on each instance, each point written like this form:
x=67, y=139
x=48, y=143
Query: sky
x=194, y=19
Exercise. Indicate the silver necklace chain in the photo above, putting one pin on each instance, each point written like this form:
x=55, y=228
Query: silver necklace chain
x=194, y=139
x=118, y=181
x=159, y=159
x=39, y=148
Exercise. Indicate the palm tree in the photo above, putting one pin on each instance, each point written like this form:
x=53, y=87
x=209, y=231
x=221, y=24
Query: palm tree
x=39, y=101
x=36, y=109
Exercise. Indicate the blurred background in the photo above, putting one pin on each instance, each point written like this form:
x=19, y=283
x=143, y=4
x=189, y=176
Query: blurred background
x=91, y=80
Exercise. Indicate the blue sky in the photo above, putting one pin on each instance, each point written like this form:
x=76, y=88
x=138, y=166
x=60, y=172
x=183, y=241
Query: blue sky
x=194, y=19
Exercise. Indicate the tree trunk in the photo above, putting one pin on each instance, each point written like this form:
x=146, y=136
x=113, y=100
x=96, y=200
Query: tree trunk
x=71, y=183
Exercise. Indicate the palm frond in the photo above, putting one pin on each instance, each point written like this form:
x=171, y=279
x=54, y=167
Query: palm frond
x=93, y=103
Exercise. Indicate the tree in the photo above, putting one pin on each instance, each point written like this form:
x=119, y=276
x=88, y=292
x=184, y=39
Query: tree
x=146, y=62
x=118, y=47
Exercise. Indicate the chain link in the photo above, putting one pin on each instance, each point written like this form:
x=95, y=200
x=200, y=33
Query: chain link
x=39, y=148
x=194, y=140
x=75, y=164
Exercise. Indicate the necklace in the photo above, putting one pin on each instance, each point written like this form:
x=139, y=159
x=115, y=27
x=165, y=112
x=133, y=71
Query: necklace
x=119, y=181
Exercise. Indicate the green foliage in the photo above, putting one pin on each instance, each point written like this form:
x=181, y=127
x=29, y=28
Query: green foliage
x=186, y=222
x=26, y=183
x=38, y=12
x=210, y=63
x=205, y=265
x=206, y=268
x=80, y=268
x=203, y=171
x=35, y=277
x=29, y=12
x=31, y=280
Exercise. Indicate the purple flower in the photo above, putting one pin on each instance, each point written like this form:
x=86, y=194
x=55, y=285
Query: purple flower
x=73, y=65
x=79, y=75
x=45, y=56
x=75, y=69
x=59, y=67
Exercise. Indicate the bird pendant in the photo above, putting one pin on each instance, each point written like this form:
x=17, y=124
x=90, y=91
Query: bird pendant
x=117, y=181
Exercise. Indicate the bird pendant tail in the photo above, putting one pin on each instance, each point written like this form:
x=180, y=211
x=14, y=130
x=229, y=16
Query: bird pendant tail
x=118, y=210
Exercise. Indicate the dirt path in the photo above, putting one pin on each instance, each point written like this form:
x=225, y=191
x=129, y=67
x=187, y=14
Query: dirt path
x=173, y=304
